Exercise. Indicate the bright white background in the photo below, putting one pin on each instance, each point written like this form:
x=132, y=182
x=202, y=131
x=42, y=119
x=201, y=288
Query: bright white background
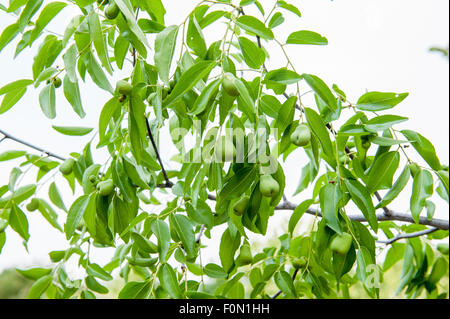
x=373, y=45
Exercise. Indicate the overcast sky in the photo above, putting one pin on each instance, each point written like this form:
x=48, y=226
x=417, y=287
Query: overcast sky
x=373, y=46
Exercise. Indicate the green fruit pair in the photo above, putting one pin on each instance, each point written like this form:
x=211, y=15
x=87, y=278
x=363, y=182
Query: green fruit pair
x=112, y=11
x=229, y=85
x=33, y=205
x=341, y=243
x=224, y=149
x=123, y=87
x=301, y=136
x=241, y=206
x=268, y=186
x=105, y=188
x=56, y=82
x=245, y=255
x=66, y=168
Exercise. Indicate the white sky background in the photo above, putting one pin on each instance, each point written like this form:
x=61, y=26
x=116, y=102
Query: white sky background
x=373, y=45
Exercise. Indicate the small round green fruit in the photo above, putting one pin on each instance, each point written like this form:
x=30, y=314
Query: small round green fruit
x=341, y=243
x=229, y=85
x=33, y=205
x=66, y=168
x=106, y=188
x=111, y=11
x=268, y=186
x=124, y=88
x=56, y=82
x=241, y=206
x=301, y=136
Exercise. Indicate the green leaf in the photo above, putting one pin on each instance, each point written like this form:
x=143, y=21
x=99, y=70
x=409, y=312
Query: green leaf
x=168, y=279
x=285, y=283
x=299, y=211
x=422, y=190
x=47, y=53
x=330, y=196
x=205, y=98
x=136, y=290
x=282, y=76
x=382, y=172
x=185, y=232
x=239, y=183
x=362, y=199
x=424, y=148
x=215, y=271
x=55, y=196
x=39, y=287
x=72, y=94
x=164, y=49
x=276, y=20
x=306, y=37
x=97, y=74
x=383, y=122
x=396, y=189
x=75, y=215
x=18, y=221
x=47, y=14
x=150, y=26
x=188, y=80
x=253, y=56
x=379, y=101
x=47, y=101
x=195, y=39
x=11, y=98
x=73, y=130
x=386, y=141
x=27, y=13
x=319, y=129
x=95, y=31
x=126, y=8
x=162, y=232
x=8, y=34
x=97, y=271
x=94, y=285
x=15, y=85
x=255, y=26
x=322, y=90
x=34, y=273
x=289, y=7
x=245, y=100
x=229, y=244
x=155, y=9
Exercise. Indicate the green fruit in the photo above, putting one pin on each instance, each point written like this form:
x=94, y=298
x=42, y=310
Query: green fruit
x=415, y=168
x=33, y=205
x=299, y=263
x=443, y=248
x=245, y=255
x=224, y=149
x=106, y=188
x=229, y=85
x=67, y=167
x=268, y=186
x=341, y=244
x=124, y=87
x=301, y=136
x=111, y=11
x=241, y=206
x=57, y=82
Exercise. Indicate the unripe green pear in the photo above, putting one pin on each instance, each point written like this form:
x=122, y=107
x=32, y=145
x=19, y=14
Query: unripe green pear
x=124, y=87
x=301, y=136
x=415, y=168
x=106, y=188
x=229, y=85
x=66, y=168
x=241, y=206
x=33, y=205
x=268, y=186
x=443, y=248
x=299, y=263
x=341, y=243
x=224, y=149
x=56, y=82
x=245, y=255
x=111, y=11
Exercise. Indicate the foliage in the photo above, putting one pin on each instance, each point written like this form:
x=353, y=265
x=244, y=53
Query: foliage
x=211, y=91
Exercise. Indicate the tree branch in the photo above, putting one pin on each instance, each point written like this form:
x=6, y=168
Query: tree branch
x=37, y=148
x=168, y=183
x=410, y=235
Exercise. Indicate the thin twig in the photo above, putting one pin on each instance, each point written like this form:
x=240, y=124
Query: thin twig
x=410, y=235
x=168, y=183
x=37, y=148
x=293, y=278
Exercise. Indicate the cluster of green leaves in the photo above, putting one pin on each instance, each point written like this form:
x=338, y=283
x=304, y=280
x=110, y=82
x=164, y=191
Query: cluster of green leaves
x=356, y=161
